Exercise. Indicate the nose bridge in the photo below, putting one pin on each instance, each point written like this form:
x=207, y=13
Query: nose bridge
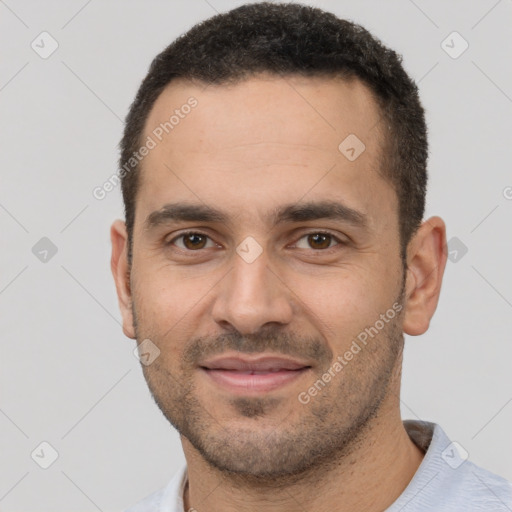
x=252, y=295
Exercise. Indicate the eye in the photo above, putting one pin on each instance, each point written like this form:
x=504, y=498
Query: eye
x=319, y=240
x=195, y=241
x=192, y=241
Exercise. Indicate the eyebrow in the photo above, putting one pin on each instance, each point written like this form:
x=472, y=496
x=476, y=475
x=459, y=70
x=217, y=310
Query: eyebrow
x=298, y=212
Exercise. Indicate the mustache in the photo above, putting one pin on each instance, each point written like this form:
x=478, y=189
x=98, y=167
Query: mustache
x=268, y=341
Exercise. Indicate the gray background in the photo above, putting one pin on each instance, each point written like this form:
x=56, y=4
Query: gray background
x=67, y=373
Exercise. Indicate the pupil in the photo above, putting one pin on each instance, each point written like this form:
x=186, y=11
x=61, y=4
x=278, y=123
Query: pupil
x=193, y=239
x=318, y=238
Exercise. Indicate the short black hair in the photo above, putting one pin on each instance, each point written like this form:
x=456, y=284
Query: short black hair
x=292, y=39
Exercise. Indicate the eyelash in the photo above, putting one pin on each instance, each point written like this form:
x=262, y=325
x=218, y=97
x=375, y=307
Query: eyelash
x=328, y=250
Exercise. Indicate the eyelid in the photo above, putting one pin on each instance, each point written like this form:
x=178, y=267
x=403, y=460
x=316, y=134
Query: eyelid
x=189, y=232
x=323, y=232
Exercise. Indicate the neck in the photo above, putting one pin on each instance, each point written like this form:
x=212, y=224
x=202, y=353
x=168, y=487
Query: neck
x=371, y=477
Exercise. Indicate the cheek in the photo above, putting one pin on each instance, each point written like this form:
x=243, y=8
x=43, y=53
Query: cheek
x=163, y=304
x=339, y=306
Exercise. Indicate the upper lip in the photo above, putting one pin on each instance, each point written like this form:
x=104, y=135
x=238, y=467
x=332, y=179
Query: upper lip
x=261, y=363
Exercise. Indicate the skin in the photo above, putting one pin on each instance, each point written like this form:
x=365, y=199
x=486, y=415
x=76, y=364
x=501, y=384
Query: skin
x=247, y=149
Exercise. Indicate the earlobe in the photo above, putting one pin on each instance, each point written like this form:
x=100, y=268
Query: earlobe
x=426, y=261
x=121, y=274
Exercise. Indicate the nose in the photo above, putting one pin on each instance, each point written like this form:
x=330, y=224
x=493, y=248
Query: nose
x=251, y=296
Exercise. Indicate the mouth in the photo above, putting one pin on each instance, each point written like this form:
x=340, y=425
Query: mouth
x=241, y=375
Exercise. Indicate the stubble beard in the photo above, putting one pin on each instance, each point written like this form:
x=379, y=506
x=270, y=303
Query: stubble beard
x=312, y=438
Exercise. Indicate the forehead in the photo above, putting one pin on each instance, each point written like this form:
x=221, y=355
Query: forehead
x=320, y=110
x=262, y=140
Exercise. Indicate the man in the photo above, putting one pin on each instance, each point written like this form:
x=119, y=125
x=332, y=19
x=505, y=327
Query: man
x=273, y=255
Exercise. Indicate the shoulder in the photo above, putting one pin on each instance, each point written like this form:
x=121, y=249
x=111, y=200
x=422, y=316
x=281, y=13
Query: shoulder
x=447, y=481
x=168, y=499
x=481, y=490
x=149, y=503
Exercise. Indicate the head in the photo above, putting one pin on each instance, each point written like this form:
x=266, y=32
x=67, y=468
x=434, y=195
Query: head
x=278, y=209
x=285, y=40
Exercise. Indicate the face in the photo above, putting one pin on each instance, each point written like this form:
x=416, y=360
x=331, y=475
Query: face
x=256, y=236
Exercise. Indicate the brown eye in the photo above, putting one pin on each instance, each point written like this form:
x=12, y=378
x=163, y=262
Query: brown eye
x=191, y=241
x=194, y=241
x=319, y=240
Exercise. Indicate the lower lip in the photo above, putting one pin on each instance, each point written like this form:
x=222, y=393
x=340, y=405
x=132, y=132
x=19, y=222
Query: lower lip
x=258, y=382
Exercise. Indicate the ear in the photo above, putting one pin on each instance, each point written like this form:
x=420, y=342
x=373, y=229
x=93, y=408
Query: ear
x=426, y=261
x=121, y=273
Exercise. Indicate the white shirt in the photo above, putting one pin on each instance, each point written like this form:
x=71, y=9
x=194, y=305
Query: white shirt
x=445, y=481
